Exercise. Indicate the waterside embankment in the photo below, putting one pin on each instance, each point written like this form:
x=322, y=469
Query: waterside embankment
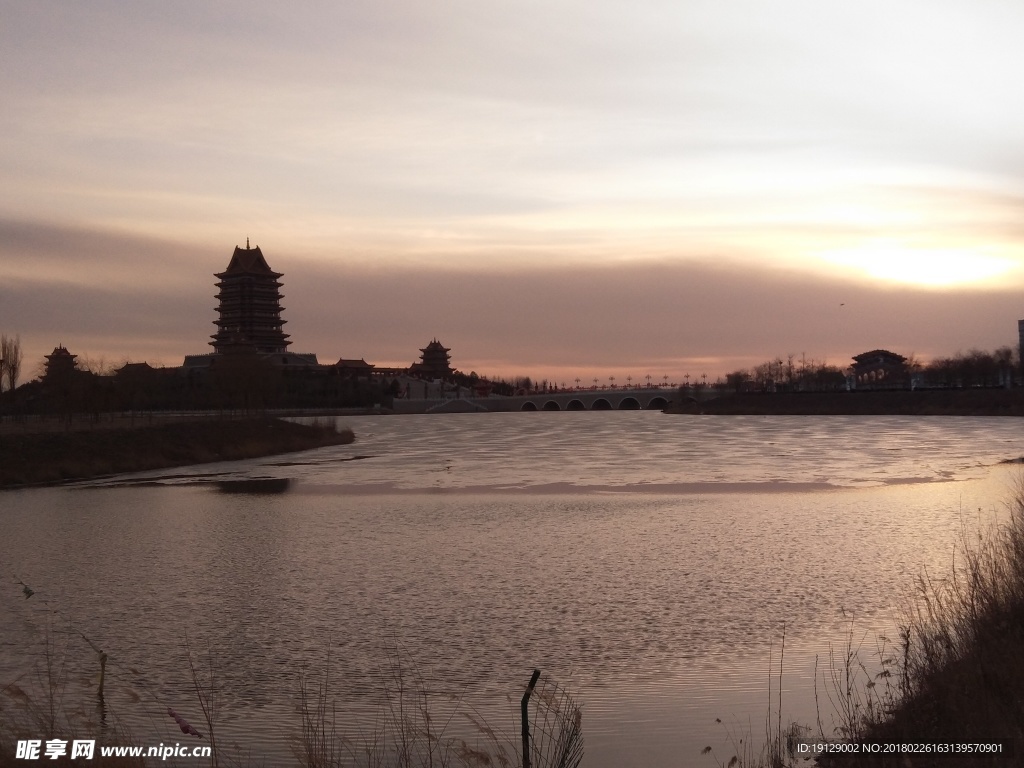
x=923, y=402
x=46, y=457
x=951, y=682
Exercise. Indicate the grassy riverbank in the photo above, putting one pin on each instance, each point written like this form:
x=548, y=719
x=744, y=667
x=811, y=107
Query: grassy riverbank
x=925, y=402
x=952, y=676
x=958, y=670
x=52, y=457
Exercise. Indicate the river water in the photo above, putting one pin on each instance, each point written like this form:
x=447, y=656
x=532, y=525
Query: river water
x=648, y=563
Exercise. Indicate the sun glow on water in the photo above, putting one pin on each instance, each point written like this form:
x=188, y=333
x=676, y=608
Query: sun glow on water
x=928, y=267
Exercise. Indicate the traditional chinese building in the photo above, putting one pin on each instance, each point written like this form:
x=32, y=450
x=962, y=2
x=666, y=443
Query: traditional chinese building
x=355, y=369
x=1020, y=344
x=434, y=362
x=879, y=366
x=60, y=364
x=249, y=311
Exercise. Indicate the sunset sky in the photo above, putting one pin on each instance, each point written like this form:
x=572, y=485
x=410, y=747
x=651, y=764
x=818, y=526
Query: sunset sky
x=556, y=189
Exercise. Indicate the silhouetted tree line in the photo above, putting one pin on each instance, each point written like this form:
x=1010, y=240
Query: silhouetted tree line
x=524, y=384
x=975, y=368
x=243, y=382
x=509, y=387
x=789, y=375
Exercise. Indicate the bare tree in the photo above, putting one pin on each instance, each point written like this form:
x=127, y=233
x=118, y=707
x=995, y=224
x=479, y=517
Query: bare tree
x=97, y=365
x=10, y=360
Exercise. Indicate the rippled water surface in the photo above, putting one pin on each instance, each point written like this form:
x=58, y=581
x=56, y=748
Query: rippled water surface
x=647, y=561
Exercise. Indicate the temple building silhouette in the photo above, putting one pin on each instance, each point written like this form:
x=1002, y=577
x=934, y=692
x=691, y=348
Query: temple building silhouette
x=249, y=309
x=60, y=364
x=249, y=314
x=879, y=367
x=249, y=324
x=435, y=362
x=251, y=367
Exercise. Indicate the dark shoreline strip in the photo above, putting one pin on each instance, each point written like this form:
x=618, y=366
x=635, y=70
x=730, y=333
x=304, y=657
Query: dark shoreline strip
x=57, y=457
x=921, y=402
x=568, y=489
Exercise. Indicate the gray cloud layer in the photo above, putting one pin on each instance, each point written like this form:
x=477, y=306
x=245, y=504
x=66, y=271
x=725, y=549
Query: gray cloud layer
x=110, y=295
x=571, y=186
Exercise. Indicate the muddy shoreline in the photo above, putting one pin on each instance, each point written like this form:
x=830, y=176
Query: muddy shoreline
x=45, y=458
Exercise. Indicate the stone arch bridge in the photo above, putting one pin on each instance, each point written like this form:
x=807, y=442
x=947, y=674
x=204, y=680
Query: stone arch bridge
x=581, y=400
x=598, y=400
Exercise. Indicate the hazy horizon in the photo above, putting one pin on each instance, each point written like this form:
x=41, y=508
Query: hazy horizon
x=554, y=191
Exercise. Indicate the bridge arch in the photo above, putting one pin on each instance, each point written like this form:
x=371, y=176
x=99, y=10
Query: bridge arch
x=575, y=405
x=657, y=404
x=601, y=405
x=528, y=406
x=551, y=405
x=629, y=404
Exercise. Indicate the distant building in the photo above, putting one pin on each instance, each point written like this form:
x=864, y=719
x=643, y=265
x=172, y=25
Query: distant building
x=249, y=312
x=60, y=364
x=1020, y=341
x=286, y=359
x=434, y=362
x=879, y=367
x=134, y=369
x=249, y=316
x=356, y=369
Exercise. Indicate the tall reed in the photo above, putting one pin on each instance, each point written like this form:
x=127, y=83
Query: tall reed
x=415, y=726
x=960, y=671
x=956, y=672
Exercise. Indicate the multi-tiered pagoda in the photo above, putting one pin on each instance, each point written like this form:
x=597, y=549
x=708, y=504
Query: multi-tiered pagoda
x=435, y=361
x=249, y=314
x=60, y=364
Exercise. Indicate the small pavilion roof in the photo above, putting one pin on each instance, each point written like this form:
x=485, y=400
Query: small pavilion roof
x=436, y=346
x=60, y=351
x=129, y=368
x=347, y=363
x=876, y=354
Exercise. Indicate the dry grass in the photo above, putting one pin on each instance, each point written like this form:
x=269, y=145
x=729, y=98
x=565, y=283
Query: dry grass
x=778, y=749
x=418, y=724
x=556, y=727
x=37, y=707
x=414, y=727
x=955, y=674
x=414, y=724
x=958, y=672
